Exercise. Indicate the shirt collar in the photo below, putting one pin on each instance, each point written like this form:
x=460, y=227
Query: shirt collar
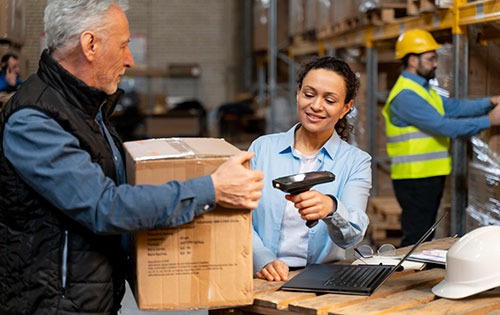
x=416, y=78
x=329, y=148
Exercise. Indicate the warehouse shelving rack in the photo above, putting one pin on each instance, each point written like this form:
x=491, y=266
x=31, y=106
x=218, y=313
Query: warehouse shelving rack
x=457, y=19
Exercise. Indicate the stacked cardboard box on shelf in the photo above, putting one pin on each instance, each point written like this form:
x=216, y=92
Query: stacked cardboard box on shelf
x=261, y=23
x=296, y=18
x=322, y=18
x=203, y=264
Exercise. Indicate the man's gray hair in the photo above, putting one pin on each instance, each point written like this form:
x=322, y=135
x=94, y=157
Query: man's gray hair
x=66, y=20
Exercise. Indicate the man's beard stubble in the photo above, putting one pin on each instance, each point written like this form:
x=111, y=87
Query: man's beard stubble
x=431, y=74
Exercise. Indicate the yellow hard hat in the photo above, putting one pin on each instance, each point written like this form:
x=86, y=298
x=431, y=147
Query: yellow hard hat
x=415, y=41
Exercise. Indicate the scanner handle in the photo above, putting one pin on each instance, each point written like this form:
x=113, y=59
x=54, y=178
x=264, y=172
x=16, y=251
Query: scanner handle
x=288, y=185
x=309, y=223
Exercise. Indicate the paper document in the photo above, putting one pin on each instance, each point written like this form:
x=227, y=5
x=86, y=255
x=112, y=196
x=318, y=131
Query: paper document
x=384, y=260
x=437, y=256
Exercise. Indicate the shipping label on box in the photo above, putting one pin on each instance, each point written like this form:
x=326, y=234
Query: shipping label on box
x=203, y=264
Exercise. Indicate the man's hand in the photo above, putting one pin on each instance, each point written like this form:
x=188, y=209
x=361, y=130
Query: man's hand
x=276, y=270
x=313, y=205
x=495, y=100
x=10, y=77
x=494, y=116
x=236, y=186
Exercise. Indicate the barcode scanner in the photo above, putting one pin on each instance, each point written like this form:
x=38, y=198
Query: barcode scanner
x=298, y=183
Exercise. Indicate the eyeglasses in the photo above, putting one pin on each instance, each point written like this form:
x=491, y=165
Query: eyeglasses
x=365, y=251
x=432, y=59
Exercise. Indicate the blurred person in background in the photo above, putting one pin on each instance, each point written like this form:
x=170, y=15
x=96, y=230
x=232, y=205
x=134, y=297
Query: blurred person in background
x=9, y=73
x=419, y=125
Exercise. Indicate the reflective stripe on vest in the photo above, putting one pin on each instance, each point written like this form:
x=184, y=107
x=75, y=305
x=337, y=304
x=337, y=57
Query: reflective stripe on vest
x=408, y=136
x=413, y=152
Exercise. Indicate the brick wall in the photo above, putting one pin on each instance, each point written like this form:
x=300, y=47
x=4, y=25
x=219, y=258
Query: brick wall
x=177, y=31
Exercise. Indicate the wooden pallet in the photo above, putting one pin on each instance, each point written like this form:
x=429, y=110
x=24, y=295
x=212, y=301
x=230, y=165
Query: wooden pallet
x=416, y=7
x=406, y=292
x=303, y=38
x=348, y=24
x=326, y=31
x=385, y=221
x=386, y=208
x=384, y=15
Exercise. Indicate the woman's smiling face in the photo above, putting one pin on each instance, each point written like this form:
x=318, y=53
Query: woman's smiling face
x=321, y=101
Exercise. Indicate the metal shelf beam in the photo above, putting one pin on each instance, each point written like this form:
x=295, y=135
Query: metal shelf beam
x=479, y=12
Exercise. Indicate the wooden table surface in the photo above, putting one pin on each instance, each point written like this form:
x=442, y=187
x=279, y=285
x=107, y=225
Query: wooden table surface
x=406, y=292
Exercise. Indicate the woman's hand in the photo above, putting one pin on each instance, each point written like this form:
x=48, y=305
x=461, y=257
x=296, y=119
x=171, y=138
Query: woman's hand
x=313, y=205
x=276, y=270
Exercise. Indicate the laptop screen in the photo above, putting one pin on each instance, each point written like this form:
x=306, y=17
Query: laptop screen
x=421, y=240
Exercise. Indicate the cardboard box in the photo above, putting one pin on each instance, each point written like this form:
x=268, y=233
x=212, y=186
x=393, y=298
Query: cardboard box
x=296, y=17
x=204, y=264
x=261, y=24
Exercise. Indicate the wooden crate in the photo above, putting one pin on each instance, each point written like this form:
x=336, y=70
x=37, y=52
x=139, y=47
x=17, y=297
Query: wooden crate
x=416, y=7
x=385, y=221
x=325, y=31
x=348, y=24
x=386, y=12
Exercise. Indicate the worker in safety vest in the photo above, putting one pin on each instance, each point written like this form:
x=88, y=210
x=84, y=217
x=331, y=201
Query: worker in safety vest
x=419, y=125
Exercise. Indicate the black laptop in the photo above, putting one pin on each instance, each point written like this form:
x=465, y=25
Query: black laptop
x=348, y=279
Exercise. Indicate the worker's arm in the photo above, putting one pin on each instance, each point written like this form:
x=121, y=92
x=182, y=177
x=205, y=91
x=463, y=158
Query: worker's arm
x=50, y=160
x=457, y=108
x=409, y=109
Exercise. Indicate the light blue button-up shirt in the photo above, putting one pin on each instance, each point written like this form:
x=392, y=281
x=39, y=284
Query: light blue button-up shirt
x=328, y=240
x=462, y=117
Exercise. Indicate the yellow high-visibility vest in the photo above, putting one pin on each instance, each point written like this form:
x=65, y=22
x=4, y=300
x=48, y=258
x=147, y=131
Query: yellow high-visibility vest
x=415, y=153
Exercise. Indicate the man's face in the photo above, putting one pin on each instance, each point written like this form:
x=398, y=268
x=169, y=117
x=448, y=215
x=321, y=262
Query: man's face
x=114, y=56
x=427, y=65
x=13, y=65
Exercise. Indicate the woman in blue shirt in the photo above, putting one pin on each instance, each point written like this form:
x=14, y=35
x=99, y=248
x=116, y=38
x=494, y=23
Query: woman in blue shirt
x=326, y=88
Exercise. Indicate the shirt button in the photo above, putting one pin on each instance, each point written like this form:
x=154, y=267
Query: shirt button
x=206, y=207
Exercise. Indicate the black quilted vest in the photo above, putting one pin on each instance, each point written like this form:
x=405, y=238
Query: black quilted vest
x=33, y=233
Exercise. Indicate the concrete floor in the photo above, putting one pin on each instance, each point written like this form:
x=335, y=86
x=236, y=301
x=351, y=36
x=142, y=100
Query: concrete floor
x=129, y=307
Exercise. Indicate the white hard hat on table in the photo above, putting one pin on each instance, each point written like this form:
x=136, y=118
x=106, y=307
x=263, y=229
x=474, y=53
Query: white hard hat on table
x=472, y=264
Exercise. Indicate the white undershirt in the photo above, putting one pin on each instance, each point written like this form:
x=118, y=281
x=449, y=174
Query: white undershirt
x=294, y=233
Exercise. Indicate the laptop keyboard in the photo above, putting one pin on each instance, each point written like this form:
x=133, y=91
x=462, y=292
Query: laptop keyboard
x=355, y=276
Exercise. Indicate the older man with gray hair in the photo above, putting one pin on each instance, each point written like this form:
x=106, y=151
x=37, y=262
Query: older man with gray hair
x=64, y=201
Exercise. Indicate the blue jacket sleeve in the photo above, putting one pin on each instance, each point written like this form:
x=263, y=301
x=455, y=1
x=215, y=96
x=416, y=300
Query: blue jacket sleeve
x=409, y=109
x=50, y=160
x=466, y=107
